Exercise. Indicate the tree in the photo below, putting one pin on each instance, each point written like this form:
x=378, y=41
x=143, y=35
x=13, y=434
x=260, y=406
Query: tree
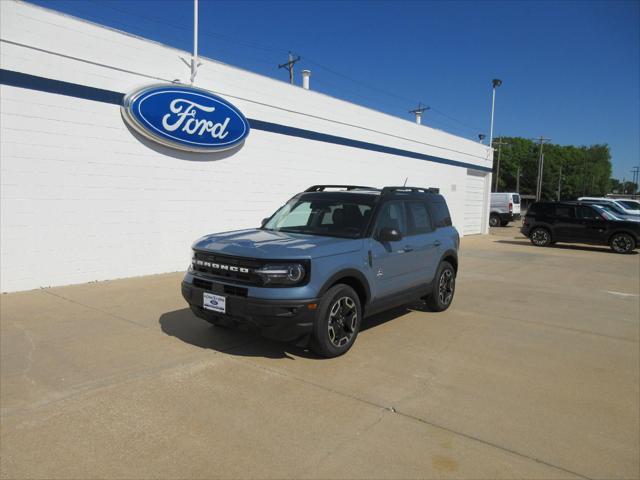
x=586, y=170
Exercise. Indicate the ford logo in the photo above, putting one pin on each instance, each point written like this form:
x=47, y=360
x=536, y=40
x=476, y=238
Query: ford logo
x=185, y=118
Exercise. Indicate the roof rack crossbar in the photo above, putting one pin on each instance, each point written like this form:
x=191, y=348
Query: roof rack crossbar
x=321, y=188
x=410, y=189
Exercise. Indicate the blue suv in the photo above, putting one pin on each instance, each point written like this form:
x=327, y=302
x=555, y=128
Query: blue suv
x=329, y=257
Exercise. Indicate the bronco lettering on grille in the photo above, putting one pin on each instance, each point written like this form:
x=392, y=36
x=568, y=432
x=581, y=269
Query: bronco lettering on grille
x=219, y=266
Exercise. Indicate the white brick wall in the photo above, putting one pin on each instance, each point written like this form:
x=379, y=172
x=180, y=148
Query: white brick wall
x=83, y=199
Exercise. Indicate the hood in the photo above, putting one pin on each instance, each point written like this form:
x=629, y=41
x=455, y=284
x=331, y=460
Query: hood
x=257, y=243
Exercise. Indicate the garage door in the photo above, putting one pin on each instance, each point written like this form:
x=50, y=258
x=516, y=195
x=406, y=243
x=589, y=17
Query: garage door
x=473, y=202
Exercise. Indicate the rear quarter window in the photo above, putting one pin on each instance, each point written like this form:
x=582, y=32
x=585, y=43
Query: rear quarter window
x=516, y=199
x=440, y=215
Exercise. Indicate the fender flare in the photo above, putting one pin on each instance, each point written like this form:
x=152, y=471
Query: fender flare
x=450, y=253
x=348, y=272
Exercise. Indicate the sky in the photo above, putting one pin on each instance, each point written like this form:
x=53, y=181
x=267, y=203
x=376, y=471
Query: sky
x=570, y=70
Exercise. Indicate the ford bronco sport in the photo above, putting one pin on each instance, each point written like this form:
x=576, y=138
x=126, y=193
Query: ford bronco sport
x=329, y=257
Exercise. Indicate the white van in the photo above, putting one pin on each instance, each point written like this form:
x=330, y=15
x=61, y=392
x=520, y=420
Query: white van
x=505, y=208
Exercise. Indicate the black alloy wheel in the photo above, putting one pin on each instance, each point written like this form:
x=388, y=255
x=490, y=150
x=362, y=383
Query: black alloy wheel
x=541, y=237
x=338, y=321
x=443, y=288
x=622, y=243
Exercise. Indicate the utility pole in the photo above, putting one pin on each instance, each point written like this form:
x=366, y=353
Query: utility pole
x=289, y=66
x=418, y=112
x=560, y=181
x=499, y=143
x=518, y=179
x=636, y=177
x=540, y=167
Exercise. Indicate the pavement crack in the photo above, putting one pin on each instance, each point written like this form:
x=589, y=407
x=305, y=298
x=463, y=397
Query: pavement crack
x=95, y=309
x=432, y=424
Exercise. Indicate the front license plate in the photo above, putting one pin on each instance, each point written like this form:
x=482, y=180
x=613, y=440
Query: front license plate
x=217, y=303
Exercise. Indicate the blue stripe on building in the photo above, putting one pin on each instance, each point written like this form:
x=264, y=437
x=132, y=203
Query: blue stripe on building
x=33, y=82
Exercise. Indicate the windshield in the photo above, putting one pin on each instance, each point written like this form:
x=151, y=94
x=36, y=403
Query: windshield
x=335, y=217
x=611, y=206
x=606, y=212
x=629, y=204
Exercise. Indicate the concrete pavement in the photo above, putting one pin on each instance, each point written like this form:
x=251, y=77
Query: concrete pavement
x=533, y=373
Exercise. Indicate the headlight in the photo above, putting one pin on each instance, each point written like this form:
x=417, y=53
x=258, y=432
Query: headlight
x=192, y=259
x=289, y=274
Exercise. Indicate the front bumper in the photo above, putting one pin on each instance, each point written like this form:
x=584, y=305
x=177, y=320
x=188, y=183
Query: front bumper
x=285, y=320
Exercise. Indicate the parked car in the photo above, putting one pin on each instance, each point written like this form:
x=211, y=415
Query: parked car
x=576, y=222
x=505, y=208
x=329, y=257
x=615, y=203
x=629, y=203
x=613, y=214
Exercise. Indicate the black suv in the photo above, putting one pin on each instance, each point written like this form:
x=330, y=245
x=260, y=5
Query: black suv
x=574, y=222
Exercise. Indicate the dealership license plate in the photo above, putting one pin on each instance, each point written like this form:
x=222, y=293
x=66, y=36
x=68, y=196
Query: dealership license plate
x=217, y=303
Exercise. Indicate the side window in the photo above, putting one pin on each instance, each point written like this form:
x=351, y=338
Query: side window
x=564, y=211
x=391, y=215
x=418, y=217
x=587, y=213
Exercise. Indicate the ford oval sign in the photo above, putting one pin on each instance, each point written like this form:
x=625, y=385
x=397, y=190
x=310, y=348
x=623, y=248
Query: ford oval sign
x=185, y=118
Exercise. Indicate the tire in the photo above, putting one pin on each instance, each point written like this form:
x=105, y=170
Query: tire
x=540, y=237
x=443, y=288
x=622, y=243
x=494, y=220
x=338, y=322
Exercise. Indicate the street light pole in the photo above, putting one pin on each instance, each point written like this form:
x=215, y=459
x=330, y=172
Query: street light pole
x=195, y=63
x=496, y=82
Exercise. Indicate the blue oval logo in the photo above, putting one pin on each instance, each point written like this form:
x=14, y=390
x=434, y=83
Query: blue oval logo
x=185, y=118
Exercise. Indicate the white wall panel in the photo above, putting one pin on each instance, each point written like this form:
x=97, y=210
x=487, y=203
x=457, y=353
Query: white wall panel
x=83, y=199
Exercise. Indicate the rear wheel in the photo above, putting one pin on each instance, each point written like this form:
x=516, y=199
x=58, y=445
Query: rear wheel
x=338, y=321
x=540, y=237
x=494, y=220
x=443, y=288
x=622, y=243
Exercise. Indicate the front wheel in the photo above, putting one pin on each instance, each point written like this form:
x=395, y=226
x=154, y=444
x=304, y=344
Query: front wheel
x=622, y=243
x=541, y=237
x=338, y=321
x=444, y=286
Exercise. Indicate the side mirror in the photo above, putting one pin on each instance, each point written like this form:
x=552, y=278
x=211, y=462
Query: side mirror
x=264, y=221
x=389, y=235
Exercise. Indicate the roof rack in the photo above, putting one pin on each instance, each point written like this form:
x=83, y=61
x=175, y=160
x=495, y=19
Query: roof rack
x=403, y=189
x=321, y=188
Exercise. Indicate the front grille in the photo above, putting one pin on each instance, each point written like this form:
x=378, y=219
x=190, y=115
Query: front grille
x=237, y=291
x=198, y=282
x=226, y=267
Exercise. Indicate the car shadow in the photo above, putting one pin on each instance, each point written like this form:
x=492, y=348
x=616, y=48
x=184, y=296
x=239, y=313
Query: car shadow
x=247, y=341
x=565, y=246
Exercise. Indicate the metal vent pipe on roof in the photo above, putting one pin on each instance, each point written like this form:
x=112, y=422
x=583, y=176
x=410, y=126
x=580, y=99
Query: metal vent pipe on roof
x=306, y=75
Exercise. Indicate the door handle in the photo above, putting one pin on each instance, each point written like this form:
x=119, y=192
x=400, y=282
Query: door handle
x=437, y=243
x=408, y=248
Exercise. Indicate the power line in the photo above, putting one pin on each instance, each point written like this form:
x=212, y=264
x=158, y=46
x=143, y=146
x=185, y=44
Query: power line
x=418, y=111
x=271, y=48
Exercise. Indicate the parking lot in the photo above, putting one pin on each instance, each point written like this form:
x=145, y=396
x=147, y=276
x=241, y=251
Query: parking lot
x=533, y=373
